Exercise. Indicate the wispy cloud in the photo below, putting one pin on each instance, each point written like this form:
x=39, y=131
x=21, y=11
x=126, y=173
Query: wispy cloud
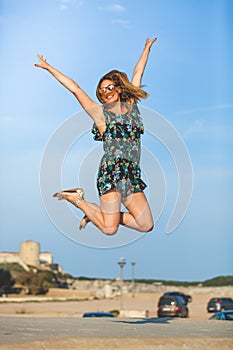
x=202, y=129
x=116, y=8
x=65, y=4
x=197, y=127
x=205, y=108
x=121, y=22
x=6, y=118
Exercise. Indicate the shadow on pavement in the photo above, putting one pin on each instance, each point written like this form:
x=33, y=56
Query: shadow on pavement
x=163, y=320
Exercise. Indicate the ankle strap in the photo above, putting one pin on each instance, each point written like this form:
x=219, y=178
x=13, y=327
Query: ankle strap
x=80, y=198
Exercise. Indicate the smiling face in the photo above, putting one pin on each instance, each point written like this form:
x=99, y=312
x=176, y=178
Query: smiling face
x=109, y=92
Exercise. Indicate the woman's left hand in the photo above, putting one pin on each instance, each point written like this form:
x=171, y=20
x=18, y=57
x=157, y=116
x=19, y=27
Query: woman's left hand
x=149, y=43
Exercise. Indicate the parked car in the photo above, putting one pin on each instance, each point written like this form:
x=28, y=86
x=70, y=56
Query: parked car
x=219, y=304
x=172, y=306
x=222, y=315
x=187, y=298
x=98, y=314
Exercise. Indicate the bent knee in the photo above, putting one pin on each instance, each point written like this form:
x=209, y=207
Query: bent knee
x=110, y=230
x=150, y=228
x=147, y=228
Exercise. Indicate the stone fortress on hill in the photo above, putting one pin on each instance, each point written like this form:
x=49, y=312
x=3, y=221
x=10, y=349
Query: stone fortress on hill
x=30, y=256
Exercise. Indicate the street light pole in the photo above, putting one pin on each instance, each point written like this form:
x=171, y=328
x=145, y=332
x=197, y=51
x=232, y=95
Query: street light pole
x=121, y=263
x=133, y=278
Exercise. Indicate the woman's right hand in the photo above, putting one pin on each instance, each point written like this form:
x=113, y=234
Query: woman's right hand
x=42, y=62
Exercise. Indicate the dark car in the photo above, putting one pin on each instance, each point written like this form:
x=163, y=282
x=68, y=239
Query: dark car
x=219, y=304
x=222, y=316
x=187, y=298
x=172, y=306
x=98, y=314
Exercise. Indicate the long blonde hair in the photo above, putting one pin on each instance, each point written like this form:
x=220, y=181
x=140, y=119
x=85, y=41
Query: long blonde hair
x=130, y=93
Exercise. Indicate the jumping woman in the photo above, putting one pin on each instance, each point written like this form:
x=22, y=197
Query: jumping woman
x=118, y=124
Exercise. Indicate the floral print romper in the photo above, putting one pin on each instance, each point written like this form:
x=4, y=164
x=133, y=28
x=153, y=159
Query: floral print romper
x=119, y=168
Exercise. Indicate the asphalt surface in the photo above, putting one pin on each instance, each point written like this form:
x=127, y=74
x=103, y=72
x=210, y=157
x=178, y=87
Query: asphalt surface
x=13, y=329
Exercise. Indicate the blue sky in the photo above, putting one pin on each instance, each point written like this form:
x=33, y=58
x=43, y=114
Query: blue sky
x=189, y=79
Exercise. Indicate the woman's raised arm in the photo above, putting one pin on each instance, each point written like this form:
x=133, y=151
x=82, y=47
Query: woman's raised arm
x=141, y=64
x=91, y=107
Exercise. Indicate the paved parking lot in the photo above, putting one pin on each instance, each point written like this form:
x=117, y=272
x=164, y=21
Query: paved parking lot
x=25, y=331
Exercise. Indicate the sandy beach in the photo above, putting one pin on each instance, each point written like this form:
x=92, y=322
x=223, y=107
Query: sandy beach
x=143, y=303
x=140, y=303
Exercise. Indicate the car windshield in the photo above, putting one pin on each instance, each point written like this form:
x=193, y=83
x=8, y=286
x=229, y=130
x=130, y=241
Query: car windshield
x=214, y=300
x=181, y=300
x=167, y=301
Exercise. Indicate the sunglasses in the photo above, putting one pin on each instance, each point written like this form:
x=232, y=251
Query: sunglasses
x=109, y=87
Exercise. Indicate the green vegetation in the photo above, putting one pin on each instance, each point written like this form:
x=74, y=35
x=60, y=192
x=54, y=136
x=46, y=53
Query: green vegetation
x=37, y=281
x=33, y=282
x=12, y=267
x=219, y=281
x=83, y=278
x=6, y=281
x=214, y=282
x=116, y=312
x=167, y=283
x=49, y=278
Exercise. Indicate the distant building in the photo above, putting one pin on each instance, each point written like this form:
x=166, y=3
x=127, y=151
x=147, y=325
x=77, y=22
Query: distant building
x=30, y=256
x=11, y=258
x=46, y=258
x=30, y=253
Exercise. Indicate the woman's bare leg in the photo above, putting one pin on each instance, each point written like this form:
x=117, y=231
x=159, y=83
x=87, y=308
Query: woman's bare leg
x=106, y=216
x=139, y=215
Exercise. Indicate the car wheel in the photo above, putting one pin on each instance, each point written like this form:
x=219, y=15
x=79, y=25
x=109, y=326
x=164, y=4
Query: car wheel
x=184, y=314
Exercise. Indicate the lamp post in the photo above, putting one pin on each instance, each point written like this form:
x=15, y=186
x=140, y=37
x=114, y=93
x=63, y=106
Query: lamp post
x=133, y=277
x=121, y=263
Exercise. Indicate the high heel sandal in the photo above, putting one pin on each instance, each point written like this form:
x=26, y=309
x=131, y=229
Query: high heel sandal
x=60, y=195
x=84, y=222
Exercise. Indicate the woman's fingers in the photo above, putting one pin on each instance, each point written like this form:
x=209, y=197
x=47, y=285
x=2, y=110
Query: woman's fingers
x=150, y=42
x=42, y=61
